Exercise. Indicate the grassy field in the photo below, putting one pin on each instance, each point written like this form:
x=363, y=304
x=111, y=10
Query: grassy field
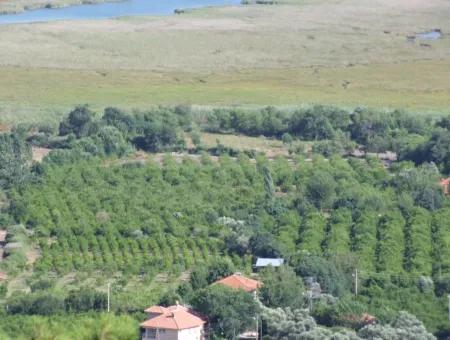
x=343, y=52
x=270, y=147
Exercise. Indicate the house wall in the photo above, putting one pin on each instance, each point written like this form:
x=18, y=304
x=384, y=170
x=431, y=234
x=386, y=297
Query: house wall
x=185, y=334
x=191, y=334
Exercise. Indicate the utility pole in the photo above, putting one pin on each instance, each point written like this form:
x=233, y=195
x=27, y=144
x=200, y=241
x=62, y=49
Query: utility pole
x=355, y=276
x=257, y=328
x=109, y=296
x=310, y=301
x=260, y=330
x=448, y=308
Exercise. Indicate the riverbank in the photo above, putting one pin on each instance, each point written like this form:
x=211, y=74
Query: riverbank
x=19, y=6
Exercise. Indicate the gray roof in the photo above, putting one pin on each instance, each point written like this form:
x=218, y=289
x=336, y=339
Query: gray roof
x=262, y=262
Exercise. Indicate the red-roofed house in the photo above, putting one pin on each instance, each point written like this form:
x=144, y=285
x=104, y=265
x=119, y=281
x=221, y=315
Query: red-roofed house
x=445, y=183
x=237, y=281
x=172, y=323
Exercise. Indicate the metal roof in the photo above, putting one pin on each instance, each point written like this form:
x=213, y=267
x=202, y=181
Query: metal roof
x=264, y=262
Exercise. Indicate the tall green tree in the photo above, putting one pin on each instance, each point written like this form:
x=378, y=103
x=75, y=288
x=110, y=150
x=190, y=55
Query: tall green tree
x=230, y=312
x=15, y=160
x=331, y=279
x=79, y=122
x=418, y=245
x=281, y=287
x=321, y=189
x=390, y=242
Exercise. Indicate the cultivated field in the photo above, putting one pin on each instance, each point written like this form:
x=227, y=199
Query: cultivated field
x=344, y=52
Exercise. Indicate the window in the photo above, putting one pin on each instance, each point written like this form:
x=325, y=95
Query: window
x=151, y=333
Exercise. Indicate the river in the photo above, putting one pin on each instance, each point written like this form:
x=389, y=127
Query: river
x=110, y=10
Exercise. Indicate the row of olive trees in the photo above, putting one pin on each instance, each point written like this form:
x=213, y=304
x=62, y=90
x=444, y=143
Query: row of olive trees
x=298, y=324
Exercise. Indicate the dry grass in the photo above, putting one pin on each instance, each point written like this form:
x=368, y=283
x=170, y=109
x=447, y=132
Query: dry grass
x=317, y=33
x=344, y=52
x=270, y=147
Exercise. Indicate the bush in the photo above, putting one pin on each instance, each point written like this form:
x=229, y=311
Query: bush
x=219, y=268
x=3, y=290
x=287, y=138
x=42, y=284
x=331, y=280
x=79, y=122
x=35, y=304
x=85, y=300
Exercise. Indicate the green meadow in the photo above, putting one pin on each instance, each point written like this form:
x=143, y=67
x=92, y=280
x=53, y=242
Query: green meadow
x=347, y=53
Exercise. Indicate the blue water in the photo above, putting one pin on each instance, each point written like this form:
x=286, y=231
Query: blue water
x=430, y=35
x=110, y=10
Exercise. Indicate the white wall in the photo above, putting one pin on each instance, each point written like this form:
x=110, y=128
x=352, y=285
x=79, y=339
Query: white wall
x=190, y=334
x=162, y=334
x=185, y=334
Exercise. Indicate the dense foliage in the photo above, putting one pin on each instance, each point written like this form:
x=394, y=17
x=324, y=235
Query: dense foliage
x=335, y=131
x=230, y=312
x=15, y=156
x=180, y=214
x=298, y=324
x=82, y=207
x=74, y=327
x=89, y=209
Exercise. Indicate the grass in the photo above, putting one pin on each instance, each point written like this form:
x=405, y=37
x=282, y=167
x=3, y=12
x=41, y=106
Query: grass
x=242, y=142
x=41, y=94
x=342, y=52
x=270, y=147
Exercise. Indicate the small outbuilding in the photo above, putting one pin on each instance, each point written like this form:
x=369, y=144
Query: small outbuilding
x=265, y=262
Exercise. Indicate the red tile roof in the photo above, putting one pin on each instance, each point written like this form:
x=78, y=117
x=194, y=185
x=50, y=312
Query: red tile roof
x=237, y=281
x=368, y=319
x=445, y=183
x=173, y=317
x=156, y=310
